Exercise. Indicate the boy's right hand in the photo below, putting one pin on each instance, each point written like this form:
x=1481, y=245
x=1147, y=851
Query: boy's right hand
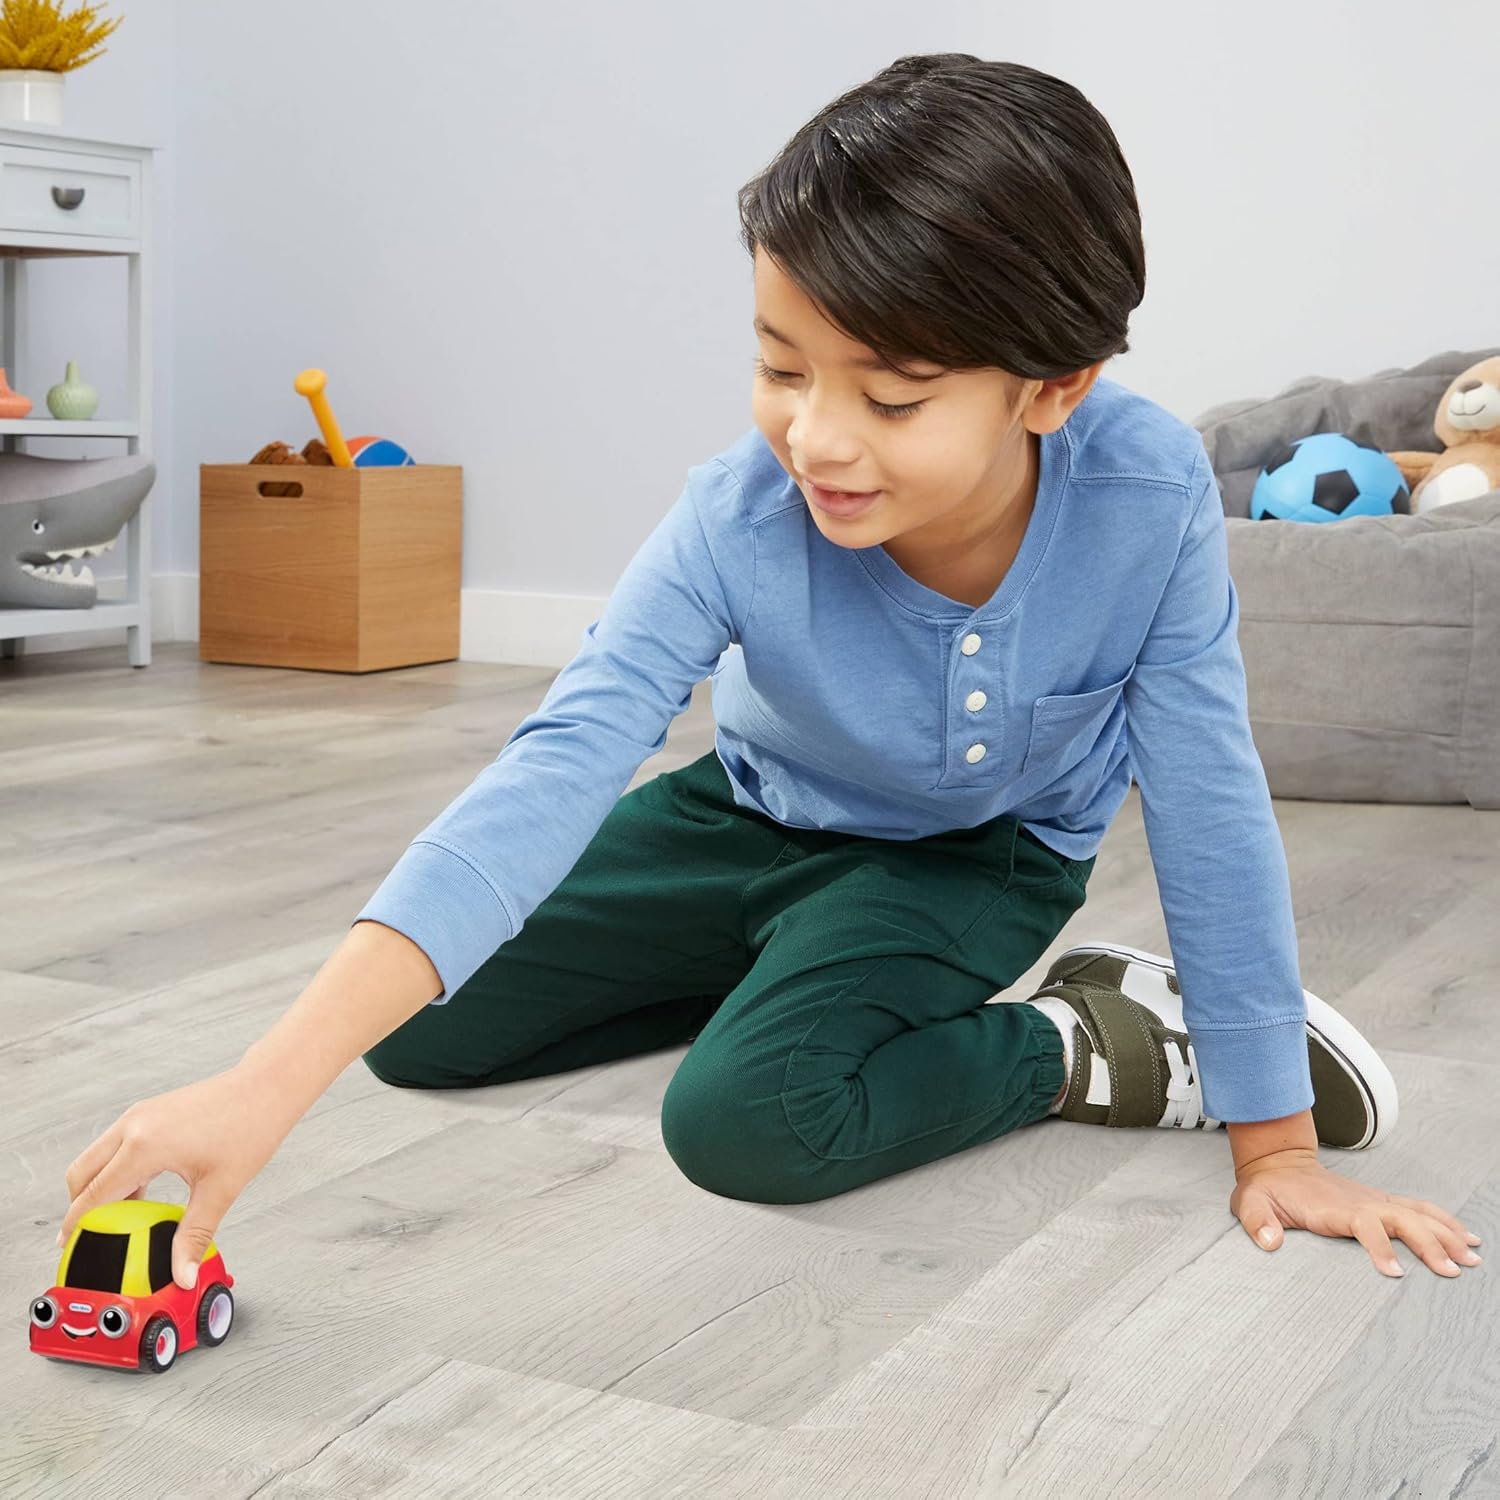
x=215, y=1134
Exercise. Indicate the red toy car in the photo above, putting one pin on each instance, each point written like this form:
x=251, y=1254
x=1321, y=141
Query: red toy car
x=115, y=1302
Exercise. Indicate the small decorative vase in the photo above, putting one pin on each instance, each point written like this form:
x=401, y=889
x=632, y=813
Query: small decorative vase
x=12, y=403
x=31, y=94
x=72, y=401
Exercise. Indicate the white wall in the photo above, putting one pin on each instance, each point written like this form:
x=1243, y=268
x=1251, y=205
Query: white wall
x=521, y=255
x=1316, y=181
x=522, y=258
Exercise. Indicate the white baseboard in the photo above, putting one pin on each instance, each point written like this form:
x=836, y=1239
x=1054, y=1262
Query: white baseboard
x=514, y=629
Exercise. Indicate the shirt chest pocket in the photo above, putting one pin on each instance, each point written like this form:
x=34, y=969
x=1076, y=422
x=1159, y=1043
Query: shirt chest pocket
x=1065, y=726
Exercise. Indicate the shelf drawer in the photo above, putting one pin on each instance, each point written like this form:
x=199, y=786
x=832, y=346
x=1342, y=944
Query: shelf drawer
x=106, y=192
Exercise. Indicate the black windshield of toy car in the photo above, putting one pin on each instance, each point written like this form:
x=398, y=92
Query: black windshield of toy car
x=97, y=1263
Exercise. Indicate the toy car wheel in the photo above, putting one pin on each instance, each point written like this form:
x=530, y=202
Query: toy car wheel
x=215, y=1314
x=159, y=1344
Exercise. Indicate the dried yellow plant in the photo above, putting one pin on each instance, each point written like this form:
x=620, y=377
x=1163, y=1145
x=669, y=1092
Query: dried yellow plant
x=36, y=34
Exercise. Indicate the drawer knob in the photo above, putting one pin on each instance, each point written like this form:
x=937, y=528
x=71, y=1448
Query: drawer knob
x=67, y=197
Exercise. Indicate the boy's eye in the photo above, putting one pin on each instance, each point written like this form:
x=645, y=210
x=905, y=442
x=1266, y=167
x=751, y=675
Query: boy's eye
x=780, y=377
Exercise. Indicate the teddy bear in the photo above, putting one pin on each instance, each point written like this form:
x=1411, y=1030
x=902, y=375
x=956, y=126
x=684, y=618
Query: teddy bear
x=1468, y=426
x=279, y=453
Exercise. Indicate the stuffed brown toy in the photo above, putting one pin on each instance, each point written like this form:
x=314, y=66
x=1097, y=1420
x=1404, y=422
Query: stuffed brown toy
x=1468, y=427
x=279, y=453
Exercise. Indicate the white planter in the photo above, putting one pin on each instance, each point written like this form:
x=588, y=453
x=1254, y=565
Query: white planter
x=31, y=94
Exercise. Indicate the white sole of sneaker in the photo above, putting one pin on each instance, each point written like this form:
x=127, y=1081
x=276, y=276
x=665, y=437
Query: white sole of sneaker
x=1332, y=1031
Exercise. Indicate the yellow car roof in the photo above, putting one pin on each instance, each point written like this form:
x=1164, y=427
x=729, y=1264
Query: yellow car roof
x=130, y=1214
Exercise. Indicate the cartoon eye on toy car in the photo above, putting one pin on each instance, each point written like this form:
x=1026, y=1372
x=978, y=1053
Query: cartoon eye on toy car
x=115, y=1302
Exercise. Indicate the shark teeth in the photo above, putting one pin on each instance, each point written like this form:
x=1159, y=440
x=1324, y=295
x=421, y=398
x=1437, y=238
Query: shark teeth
x=83, y=551
x=60, y=569
x=60, y=573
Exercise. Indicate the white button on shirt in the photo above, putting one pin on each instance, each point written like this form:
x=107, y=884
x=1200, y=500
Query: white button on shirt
x=976, y=700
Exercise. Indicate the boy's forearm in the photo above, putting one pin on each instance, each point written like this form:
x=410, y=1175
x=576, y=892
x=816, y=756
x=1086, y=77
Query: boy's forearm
x=372, y=982
x=1252, y=1139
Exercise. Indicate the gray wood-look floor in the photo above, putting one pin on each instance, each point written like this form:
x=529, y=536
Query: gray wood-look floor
x=513, y=1292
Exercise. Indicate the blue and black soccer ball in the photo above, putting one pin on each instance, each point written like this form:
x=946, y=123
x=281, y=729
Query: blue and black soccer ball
x=1327, y=477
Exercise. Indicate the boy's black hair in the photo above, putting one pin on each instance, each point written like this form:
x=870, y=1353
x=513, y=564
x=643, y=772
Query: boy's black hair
x=975, y=214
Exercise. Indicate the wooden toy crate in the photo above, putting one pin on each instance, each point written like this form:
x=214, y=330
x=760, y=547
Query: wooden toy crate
x=358, y=573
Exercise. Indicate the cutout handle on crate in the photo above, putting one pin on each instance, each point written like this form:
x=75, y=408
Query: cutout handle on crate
x=272, y=488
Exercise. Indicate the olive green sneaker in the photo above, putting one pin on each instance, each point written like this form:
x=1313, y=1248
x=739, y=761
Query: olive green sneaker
x=1133, y=1063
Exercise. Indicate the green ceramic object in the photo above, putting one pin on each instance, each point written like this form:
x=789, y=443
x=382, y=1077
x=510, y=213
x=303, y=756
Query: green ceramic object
x=72, y=401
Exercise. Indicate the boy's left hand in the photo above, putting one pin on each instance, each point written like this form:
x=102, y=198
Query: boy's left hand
x=1293, y=1190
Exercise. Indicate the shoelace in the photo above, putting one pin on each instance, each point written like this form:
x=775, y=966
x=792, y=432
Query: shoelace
x=1184, y=1097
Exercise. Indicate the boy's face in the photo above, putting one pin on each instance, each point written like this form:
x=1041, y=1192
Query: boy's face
x=947, y=474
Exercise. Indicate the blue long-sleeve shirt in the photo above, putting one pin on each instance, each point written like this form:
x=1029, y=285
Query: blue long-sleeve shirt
x=848, y=696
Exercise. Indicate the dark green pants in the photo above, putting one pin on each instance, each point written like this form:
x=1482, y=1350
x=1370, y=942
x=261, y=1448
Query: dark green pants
x=833, y=987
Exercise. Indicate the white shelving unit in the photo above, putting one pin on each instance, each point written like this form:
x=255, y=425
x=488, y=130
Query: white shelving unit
x=64, y=195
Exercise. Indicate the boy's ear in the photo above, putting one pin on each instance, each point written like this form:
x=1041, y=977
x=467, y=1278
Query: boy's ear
x=1047, y=404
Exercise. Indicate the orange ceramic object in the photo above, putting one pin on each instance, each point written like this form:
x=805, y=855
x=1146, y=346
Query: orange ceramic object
x=12, y=403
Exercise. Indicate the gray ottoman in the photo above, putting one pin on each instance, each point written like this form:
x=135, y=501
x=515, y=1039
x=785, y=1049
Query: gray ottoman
x=1371, y=644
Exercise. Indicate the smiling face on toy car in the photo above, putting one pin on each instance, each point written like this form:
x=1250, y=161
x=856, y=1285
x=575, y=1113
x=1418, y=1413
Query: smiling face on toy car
x=96, y=1265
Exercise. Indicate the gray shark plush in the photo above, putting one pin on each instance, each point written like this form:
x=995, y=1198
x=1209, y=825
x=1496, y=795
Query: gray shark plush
x=54, y=511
